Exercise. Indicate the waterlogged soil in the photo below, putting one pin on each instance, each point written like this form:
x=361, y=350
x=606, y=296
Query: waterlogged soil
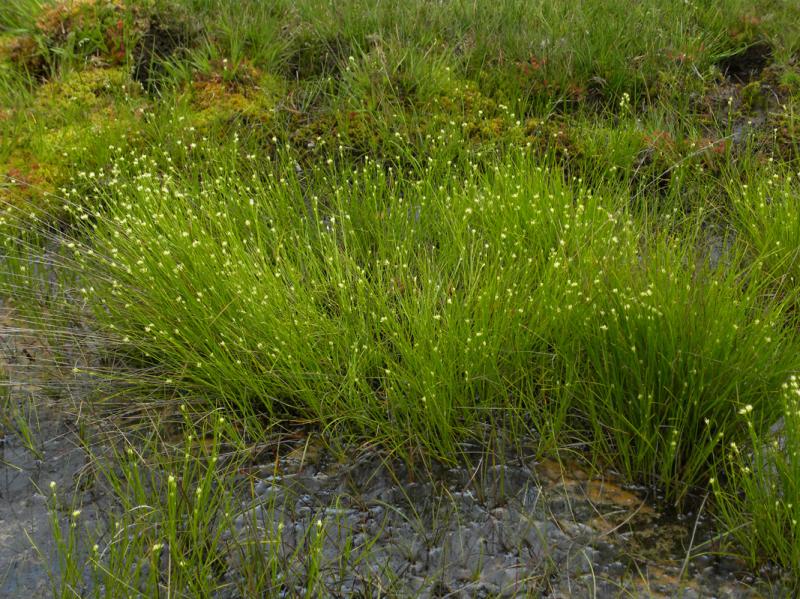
x=517, y=528
x=520, y=528
x=27, y=547
x=506, y=527
x=38, y=448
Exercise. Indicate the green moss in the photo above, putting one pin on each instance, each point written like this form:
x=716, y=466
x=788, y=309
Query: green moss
x=68, y=126
x=25, y=53
x=480, y=119
x=100, y=28
x=29, y=184
x=753, y=97
x=216, y=100
x=73, y=33
x=79, y=92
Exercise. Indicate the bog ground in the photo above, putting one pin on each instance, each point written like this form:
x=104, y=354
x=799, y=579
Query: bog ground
x=399, y=299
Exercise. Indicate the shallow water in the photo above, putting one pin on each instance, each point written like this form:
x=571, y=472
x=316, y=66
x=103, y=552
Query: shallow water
x=504, y=530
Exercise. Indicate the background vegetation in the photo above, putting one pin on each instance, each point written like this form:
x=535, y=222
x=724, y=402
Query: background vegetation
x=413, y=224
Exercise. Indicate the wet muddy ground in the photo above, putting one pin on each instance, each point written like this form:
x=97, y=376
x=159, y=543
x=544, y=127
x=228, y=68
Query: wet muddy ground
x=38, y=446
x=499, y=528
x=519, y=528
x=26, y=542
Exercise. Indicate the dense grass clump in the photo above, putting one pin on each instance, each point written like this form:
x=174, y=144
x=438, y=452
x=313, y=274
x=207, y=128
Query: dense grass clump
x=413, y=307
x=388, y=306
x=766, y=214
x=674, y=349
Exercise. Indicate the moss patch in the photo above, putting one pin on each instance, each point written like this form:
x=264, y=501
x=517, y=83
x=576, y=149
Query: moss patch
x=69, y=125
x=225, y=95
x=75, y=32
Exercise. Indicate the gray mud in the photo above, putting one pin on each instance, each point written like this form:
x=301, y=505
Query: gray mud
x=27, y=549
x=518, y=528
